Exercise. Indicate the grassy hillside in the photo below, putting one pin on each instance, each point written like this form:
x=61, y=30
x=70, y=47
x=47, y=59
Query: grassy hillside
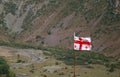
x=53, y=22
x=57, y=62
x=67, y=56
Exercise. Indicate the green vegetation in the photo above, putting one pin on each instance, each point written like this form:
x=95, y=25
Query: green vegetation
x=29, y=2
x=92, y=9
x=28, y=20
x=49, y=32
x=110, y=17
x=33, y=1
x=10, y=7
x=31, y=16
x=52, y=1
x=76, y=5
x=17, y=45
x=4, y=69
x=83, y=58
x=38, y=37
x=41, y=10
x=66, y=55
x=2, y=22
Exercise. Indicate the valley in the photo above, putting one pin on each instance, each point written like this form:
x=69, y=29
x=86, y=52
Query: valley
x=34, y=63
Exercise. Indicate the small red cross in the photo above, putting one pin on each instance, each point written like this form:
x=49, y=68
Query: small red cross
x=86, y=47
x=74, y=46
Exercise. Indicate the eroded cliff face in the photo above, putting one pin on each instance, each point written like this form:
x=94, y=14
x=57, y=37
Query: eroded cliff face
x=53, y=22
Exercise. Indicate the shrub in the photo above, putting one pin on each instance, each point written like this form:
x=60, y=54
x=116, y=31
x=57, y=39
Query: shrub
x=49, y=32
x=10, y=7
x=111, y=69
x=38, y=37
x=61, y=73
x=11, y=74
x=42, y=42
x=56, y=63
x=32, y=71
x=4, y=68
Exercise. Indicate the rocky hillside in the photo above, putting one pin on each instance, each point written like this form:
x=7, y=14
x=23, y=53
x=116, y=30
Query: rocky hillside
x=53, y=22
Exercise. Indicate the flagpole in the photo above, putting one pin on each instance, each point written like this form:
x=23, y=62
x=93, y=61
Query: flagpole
x=74, y=61
x=80, y=41
x=74, y=64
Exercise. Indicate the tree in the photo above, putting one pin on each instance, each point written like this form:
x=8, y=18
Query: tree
x=4, y=68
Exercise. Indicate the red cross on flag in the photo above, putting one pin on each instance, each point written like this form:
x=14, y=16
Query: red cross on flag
x=82, y=43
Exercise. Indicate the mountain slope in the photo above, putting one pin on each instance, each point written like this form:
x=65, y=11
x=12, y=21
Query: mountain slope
x=53, y=22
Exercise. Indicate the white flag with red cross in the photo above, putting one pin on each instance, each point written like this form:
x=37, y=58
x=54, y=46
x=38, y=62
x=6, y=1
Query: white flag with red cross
x=82, y=43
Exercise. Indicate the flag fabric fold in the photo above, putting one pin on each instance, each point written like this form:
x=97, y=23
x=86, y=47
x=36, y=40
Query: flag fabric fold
x=82, y=43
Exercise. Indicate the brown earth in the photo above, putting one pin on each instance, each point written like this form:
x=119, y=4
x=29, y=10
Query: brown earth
x=53, y=22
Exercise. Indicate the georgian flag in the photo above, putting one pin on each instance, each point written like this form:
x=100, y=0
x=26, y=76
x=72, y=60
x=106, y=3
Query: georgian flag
x=82, y=43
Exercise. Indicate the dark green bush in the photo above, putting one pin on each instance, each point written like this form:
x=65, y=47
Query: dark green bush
x=4, y=68
x=10, y=7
